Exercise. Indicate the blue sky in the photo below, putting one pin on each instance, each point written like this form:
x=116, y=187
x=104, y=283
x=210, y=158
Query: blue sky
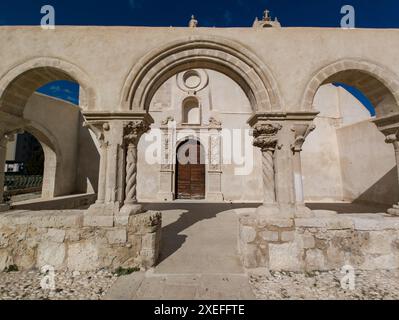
x=219, y=13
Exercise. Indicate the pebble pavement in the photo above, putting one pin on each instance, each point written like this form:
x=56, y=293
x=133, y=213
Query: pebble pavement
x=368, y=285
x=68, y=285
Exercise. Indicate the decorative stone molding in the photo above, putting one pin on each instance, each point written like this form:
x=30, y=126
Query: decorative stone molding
x=214, y=123
x=167, y=120
x=192, y=81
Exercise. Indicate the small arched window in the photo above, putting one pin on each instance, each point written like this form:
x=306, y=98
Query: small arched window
x=191, y=111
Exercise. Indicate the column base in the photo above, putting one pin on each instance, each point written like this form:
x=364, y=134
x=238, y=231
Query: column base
x=394, y=211
x=269, y=210
x=100, y=215
x=128, y=210
x=4, y=207
x=302, y=211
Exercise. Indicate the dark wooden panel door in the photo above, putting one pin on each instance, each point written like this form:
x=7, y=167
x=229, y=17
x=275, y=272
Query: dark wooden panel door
x=190, y=175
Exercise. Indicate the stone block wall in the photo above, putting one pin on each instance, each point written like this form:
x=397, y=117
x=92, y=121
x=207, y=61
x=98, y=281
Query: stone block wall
x=366, y=242
x=33, y=239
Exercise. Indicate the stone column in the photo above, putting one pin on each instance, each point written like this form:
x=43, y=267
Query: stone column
x=301, y=131
x=101, y=213
x=132, y=132
x=3, y=149
x=394, y=139
x=265, y=138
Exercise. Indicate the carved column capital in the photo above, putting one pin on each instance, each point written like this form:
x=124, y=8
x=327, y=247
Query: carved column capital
x=133, y=130
x=301, y=132
x=8, y=136
x=100, y=129
x=265, y=136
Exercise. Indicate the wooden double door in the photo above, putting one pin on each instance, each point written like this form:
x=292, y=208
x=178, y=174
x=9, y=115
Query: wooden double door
x=190, y=171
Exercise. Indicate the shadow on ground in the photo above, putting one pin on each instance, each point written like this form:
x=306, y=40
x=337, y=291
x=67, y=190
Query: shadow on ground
x=189, y=214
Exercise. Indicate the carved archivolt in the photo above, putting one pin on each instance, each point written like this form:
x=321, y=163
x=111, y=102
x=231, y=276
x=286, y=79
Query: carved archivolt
x=198, y=52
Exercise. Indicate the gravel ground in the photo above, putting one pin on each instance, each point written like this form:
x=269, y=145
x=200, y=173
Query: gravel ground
x=369, y=285
x=68, y=285
x=373, y=285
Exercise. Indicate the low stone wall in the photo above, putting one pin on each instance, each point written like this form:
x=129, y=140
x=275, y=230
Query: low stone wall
x=58, y=238
x=322, y=242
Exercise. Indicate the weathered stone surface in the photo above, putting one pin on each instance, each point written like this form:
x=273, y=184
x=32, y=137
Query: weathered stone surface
x=334, y=223
x=55, y=235
x=269, y=236
x=315, y=260
x=50, y=253
x=248, y=234
x=83, y=256
x=280, y=223
x=285, y=257
x=287, y=236
x=5, y=259
x=117, y=236
x=320, y=244
x=76, y=247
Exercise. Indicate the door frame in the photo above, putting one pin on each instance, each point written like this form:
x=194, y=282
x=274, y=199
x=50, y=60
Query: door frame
x=175, y=171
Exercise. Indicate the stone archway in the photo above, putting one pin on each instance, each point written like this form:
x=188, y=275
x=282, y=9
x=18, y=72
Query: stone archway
x=198, y=52
x=377, y=83
x=17, y=86
x=19, y=83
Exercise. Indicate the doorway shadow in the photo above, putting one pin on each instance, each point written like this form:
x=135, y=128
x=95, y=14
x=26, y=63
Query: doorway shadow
x=192, y=213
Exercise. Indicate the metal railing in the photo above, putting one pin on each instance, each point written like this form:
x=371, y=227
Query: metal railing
x=14, y=182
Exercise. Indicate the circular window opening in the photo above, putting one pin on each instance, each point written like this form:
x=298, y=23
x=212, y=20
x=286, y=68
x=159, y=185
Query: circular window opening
x=192, y=79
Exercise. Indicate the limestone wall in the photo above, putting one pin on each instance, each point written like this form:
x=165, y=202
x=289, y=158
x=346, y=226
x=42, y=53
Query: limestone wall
x=322, y=242
x=352, y=159
x=34, y=239
x=299, y=55
x=368, y=164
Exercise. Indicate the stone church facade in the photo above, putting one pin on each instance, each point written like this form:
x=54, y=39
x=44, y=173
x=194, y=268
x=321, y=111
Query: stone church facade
x=260, y=105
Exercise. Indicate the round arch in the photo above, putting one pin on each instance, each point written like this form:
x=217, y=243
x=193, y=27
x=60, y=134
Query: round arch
x=52, y=159
x=377, y=83
x=20, y=82
x=198, y=52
